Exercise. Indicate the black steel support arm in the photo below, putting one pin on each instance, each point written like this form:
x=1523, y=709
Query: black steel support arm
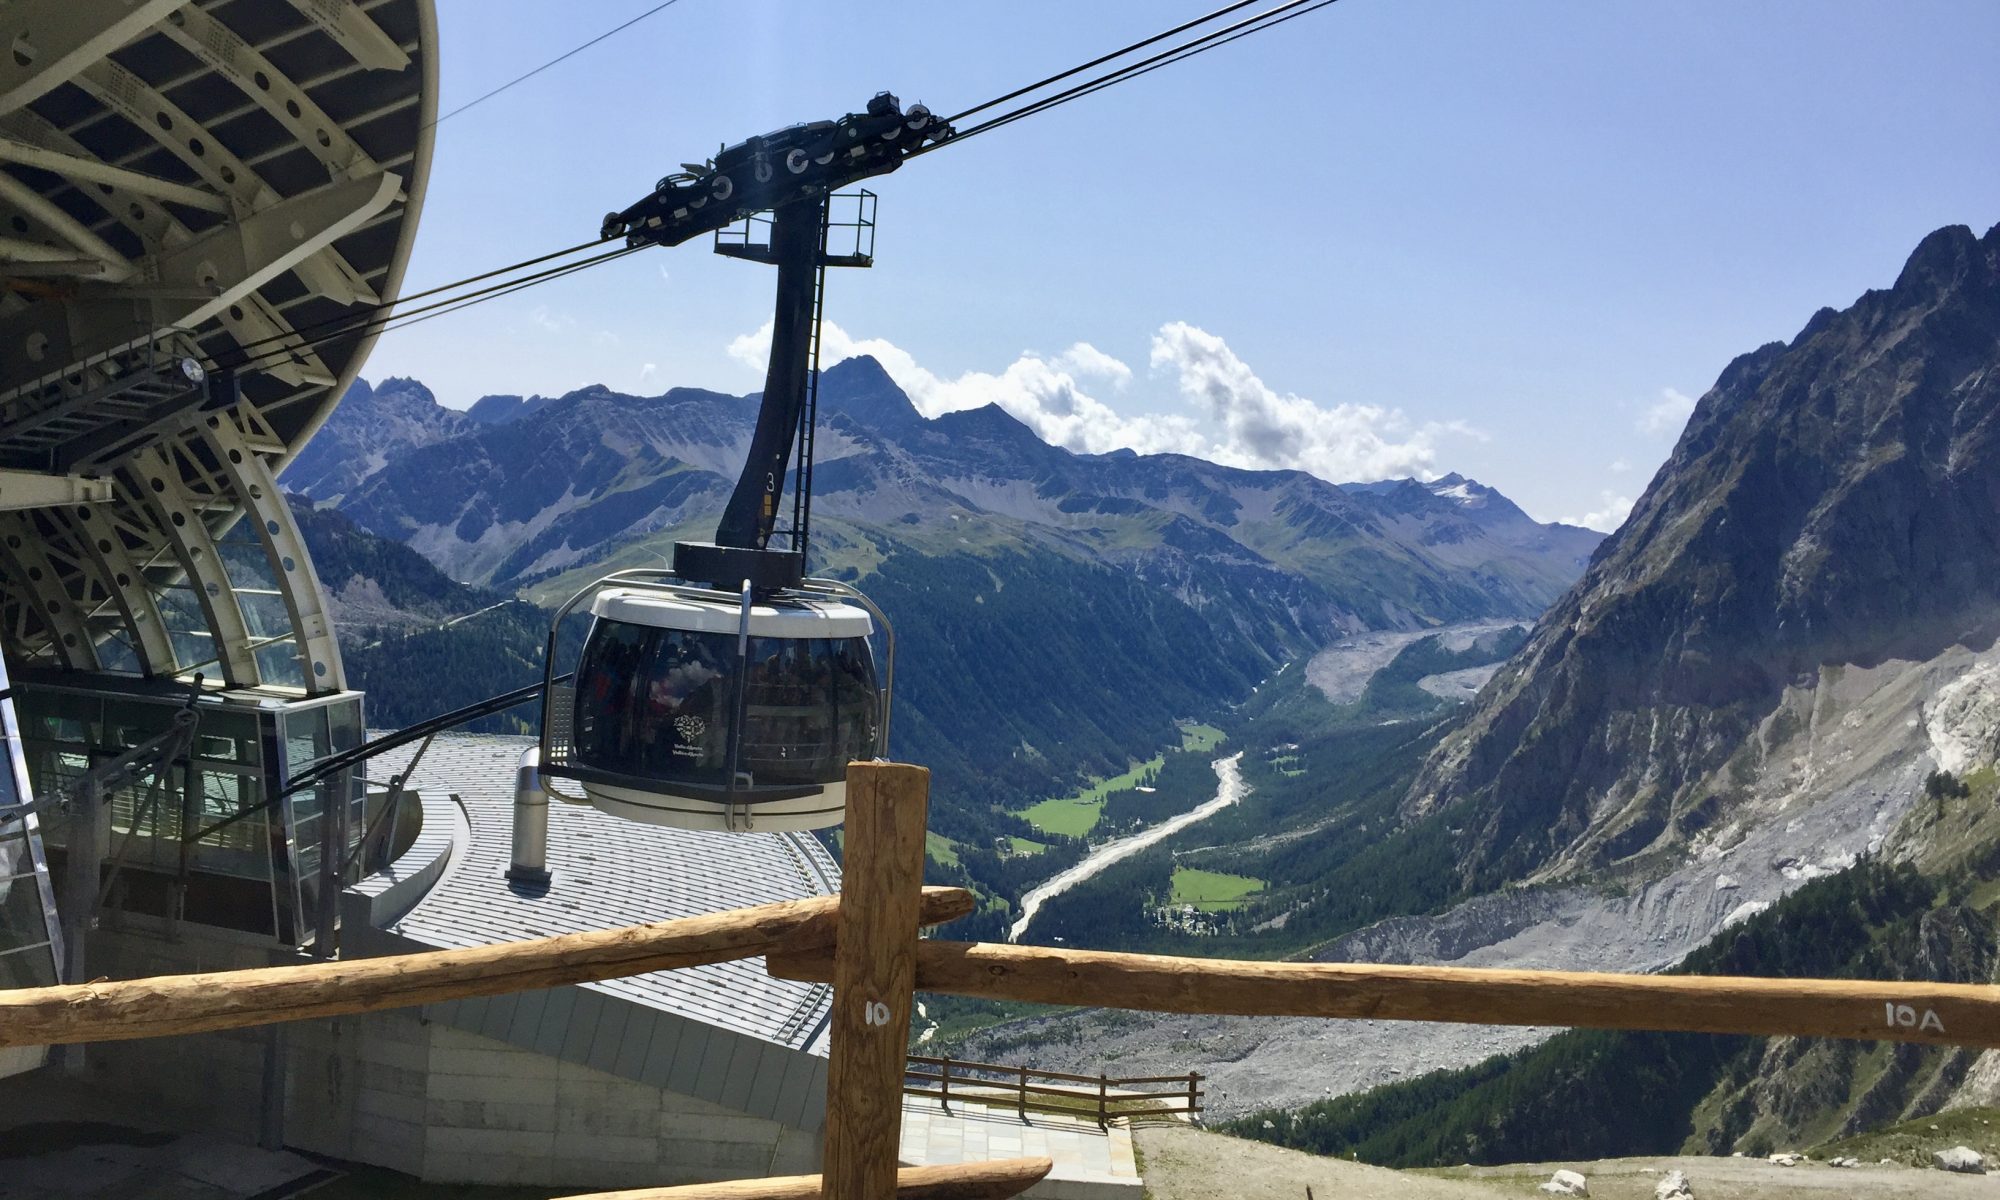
x=797, y=231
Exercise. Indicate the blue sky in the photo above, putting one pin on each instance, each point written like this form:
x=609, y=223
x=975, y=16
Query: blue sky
x=1510, y=238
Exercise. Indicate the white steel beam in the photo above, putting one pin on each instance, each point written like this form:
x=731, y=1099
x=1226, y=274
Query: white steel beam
x=357, y=33
x=154, y=477
x=250, y=478
x=165, y=122
x=26, y=556
x=77, y=167
x=121, y=576
x=251, y=319
x=243, y=257
x=51, y=41
x=236, y=60
x=234, y=260
x=32, y=489
x=40, y=209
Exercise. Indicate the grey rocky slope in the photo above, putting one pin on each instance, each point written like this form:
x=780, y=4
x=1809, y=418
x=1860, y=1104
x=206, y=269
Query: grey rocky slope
x=1790, y=634
x=1834, y=503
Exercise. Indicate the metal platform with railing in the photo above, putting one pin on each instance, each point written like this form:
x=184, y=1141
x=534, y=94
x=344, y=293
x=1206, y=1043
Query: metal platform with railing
x=1027, y=1089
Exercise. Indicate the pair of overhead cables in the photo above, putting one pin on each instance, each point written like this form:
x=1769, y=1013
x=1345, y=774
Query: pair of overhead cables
x=1035, y=98
x=265, y=352
x=1269, y=18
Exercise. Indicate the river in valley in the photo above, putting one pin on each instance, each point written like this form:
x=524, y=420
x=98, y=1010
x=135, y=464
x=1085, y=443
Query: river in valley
x=1228, y=790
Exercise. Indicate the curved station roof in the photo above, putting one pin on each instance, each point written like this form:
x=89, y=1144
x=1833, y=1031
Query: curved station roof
x=192, y=197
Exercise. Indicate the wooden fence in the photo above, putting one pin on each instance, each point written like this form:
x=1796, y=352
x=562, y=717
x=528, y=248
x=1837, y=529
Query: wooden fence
x=1104, y=1097
x=865, y=942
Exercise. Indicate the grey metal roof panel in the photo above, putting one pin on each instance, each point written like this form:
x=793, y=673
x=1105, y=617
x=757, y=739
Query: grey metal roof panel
x=606, y=873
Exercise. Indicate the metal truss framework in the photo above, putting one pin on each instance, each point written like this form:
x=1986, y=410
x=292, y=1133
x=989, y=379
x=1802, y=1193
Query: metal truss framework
x=184, y=185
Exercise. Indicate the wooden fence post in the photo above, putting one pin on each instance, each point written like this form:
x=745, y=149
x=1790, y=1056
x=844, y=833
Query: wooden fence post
x=1103, y=1092
x=874, y=976
x=1024, y=1093
x=1194, y=1078
x=944, y=1082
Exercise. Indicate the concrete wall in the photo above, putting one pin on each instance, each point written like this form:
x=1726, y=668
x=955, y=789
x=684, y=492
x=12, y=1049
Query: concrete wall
x=419, y=1096
x=207, y=1081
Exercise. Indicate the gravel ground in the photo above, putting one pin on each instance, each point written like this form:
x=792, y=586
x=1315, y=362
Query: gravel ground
x=1255, y=1062
x=1341, y=671
x=1730, y=1179
x=1461, y=685
x=1180, y=1163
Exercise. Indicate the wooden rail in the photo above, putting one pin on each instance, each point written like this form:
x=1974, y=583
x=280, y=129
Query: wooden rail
x=1109, y=1098
x=866, y=945
x=174, y=1004
x=960, y=1181
x=1952, y=1014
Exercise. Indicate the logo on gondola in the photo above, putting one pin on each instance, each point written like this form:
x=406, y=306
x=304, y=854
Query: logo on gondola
x=689, y=728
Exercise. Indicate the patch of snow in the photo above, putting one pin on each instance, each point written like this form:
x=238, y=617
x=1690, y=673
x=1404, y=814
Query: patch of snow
x=1963, y=719
x=1744, y=912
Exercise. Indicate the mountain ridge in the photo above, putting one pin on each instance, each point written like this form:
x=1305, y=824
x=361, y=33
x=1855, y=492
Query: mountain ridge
x=1834, y=500
x=549, y=488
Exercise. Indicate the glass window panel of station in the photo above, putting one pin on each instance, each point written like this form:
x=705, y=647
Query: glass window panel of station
x=23, y=910
x=187, y=626
x=242, y=848
x=345, y=732
x=27, y=902
x=262, y=600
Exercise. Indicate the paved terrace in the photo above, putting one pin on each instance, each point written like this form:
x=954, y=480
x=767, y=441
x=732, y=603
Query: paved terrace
x=1091, y=1163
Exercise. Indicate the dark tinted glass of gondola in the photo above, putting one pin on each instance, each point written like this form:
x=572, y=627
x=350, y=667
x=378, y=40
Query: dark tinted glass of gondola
x=810, y=707
x=653, y=703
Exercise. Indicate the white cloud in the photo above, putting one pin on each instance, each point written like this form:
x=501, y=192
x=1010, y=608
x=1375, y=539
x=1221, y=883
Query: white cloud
x=1669, y=414
x=1086, y=359
x=549, y=319
x=1606, y=519
x=648, y=371
x=604, y=337
x=1043, y=394
x=1619, y=466
x=1241, y=422
x=1259, y=427
x=1457, y=428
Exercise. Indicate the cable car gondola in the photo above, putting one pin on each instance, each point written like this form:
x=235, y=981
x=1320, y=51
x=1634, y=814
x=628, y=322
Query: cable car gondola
x=694, y=708
x=730, y=693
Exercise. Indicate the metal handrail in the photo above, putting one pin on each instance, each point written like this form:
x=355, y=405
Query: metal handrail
x=994, y=1083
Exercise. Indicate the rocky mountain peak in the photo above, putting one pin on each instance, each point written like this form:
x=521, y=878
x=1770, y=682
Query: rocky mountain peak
x=404, y=392
x=1946, y=260
x=371, y=424
x=499, y=410
x=859, y=388
x=1835, y=500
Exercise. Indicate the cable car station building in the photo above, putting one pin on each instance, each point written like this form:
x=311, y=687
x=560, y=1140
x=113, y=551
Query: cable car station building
x=191, y=194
